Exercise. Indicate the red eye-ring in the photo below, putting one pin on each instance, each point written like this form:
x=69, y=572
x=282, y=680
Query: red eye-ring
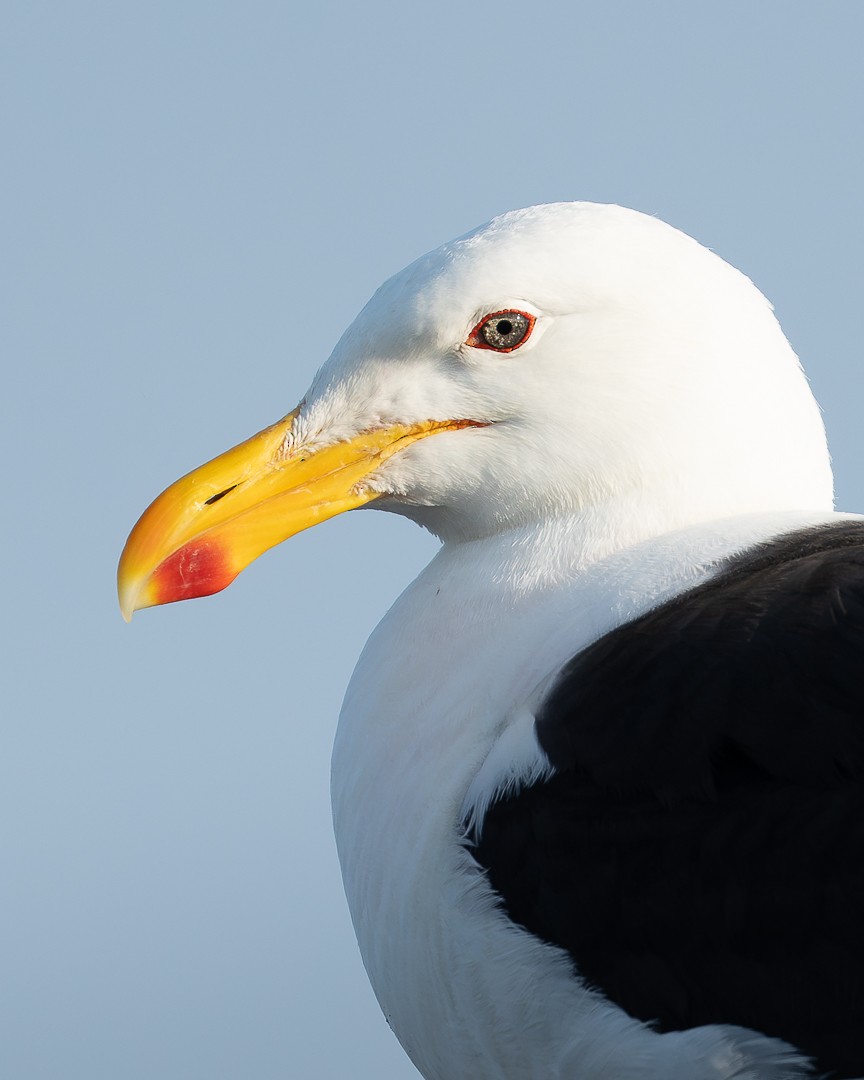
x=502, y=331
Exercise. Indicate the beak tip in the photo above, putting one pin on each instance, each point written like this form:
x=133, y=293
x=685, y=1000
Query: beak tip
x=127, y=595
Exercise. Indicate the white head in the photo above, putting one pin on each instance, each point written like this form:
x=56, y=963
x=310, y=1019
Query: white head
x=655, y=374
x=645, y=386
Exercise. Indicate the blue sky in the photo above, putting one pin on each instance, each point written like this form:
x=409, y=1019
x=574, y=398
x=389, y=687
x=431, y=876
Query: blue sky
x=198, y=197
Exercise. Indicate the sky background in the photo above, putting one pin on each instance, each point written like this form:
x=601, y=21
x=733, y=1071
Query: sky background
x=196, y=200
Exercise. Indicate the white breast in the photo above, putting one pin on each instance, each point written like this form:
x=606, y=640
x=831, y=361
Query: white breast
x=472, y=642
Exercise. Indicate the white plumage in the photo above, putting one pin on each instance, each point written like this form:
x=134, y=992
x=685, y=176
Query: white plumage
x=443, y=687
x=658, y=397
x=653, y=423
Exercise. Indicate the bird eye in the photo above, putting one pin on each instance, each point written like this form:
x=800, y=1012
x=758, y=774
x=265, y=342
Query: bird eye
x=502, y=331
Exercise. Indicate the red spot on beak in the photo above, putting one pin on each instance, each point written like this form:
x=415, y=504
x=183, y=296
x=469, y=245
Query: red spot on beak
x=200, y=568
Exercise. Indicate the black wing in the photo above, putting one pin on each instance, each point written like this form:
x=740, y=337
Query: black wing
x=700, y=849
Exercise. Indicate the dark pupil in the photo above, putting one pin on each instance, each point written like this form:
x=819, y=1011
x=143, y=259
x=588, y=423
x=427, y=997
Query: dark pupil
x=506, y=331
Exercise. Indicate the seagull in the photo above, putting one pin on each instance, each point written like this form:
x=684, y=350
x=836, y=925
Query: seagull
x=598, y=779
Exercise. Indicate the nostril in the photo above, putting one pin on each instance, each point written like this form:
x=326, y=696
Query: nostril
x=219, y=495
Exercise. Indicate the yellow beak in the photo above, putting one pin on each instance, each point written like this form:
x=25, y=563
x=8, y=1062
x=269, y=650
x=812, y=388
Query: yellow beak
x=197, y=536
